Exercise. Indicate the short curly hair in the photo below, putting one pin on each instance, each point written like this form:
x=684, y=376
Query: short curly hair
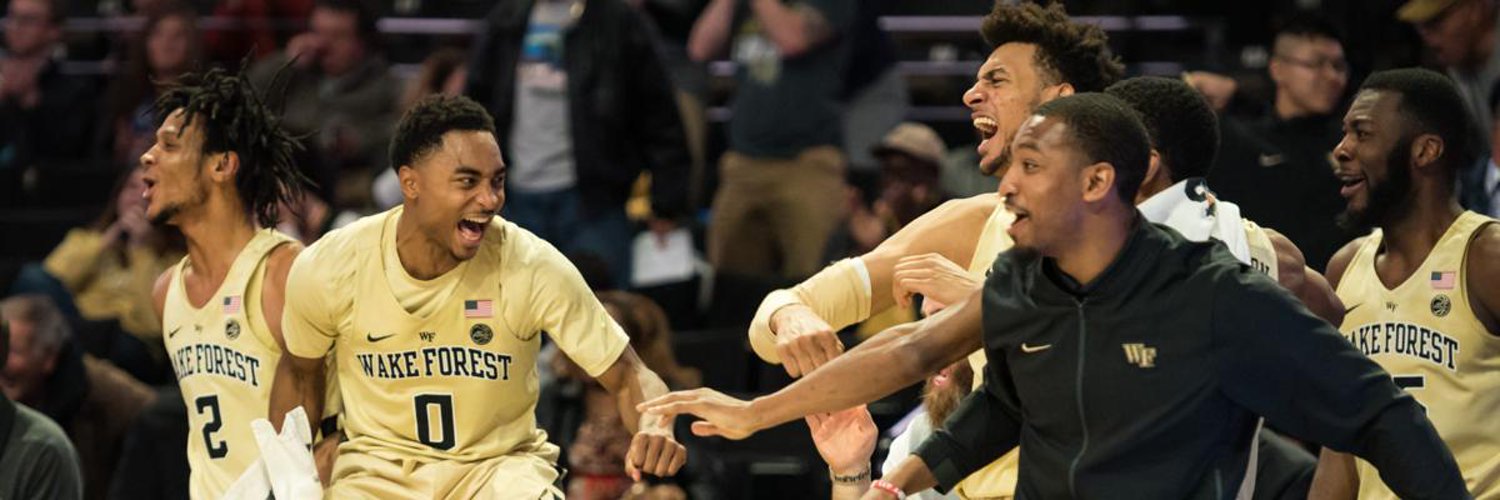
x=1067, y=51
x=1183, y=128
x=422, y=127
x=1105, y=129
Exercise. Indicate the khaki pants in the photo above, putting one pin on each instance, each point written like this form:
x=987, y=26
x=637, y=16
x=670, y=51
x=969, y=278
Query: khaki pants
x=517, y=476
x=773, y=216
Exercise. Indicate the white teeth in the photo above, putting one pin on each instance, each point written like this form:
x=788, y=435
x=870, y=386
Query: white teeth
x=986, y=125
x=476, y=220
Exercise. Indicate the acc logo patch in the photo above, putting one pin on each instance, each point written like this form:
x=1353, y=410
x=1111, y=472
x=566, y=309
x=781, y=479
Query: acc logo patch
x=232, y=329
x=481, y=334
x=1440, y=305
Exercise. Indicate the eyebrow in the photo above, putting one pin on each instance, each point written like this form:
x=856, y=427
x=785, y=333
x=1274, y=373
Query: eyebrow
x=1028, y=145
x=467, y=170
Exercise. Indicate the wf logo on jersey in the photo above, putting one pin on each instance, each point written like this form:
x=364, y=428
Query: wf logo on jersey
x=445, y=361
x=1406, y=339
x=1140, y=355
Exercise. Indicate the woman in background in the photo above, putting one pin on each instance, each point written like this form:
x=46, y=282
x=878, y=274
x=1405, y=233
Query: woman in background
x=168, y=46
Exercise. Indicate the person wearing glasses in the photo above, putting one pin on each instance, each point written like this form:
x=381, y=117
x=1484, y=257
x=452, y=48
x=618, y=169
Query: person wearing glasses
x=1277, y=167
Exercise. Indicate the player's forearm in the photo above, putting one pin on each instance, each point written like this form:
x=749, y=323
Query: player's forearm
x=912, y=475
x=633, y=383
x=298, y=382
x=870, y=371
x=849, y=491
x=1335, y=478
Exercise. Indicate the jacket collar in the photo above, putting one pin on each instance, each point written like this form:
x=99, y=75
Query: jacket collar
x=1142, y=245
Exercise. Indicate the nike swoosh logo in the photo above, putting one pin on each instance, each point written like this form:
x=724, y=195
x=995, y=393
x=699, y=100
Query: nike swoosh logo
x=173, y=333
x=1353, y=307
x=1270, y=160
x=1034, y=349
x=372, y=338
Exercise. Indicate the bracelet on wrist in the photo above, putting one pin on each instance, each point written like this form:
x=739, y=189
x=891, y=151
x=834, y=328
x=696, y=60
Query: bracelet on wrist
x=887, y=487
x=854, y=479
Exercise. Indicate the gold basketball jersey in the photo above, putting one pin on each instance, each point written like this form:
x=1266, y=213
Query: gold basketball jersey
x=1262, y=252
x=1424, y=332
x=459, y=384
x=225, y=358
x=998, y=479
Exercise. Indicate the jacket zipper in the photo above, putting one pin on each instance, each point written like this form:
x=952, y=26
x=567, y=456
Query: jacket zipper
x=1078, y=395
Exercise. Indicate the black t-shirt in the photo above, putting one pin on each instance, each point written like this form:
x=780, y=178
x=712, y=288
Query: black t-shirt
x=784, y=105
x=1280, y=173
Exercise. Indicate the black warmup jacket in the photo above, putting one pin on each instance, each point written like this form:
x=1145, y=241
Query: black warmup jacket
x=1147, y=383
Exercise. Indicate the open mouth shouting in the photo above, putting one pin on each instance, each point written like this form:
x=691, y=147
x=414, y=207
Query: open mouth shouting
x=471, y=229
x=1350, y=183
x=987, y=128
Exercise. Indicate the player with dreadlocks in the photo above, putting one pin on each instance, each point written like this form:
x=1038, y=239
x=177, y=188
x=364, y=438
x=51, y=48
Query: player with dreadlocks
x=219, y=171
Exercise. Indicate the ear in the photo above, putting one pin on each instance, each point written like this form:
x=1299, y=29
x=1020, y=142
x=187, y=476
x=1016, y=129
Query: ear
x=1153, y=169
x=223, y=166
x=1426, y=151
x=407, y=176
x=1063, y=89
x=1098, y=182
x=1275, y=69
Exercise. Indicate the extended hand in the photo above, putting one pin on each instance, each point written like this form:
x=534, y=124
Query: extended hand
x=722, y=415
x=933, y=276
x=844, y=439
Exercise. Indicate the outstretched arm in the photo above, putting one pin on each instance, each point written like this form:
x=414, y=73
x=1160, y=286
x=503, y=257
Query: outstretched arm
x=867, y=372
x=796, y=326
x=653, y=450
x=1304, y=283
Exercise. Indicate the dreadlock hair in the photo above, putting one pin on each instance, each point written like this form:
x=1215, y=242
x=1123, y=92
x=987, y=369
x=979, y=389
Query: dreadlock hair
x=234, y=118
x=1067, y=51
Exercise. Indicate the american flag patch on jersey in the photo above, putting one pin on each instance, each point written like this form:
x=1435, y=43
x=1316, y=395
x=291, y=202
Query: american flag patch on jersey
x=478, y=309
x=231, y=304
x=1444, y=280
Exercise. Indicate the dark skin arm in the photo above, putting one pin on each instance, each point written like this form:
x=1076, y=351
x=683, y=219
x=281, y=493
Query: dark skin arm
x=906, y=355
x=1335, y=478
x=1304, y=283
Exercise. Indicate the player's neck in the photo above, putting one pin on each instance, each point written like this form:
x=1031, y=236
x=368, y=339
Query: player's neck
x=215, y=234
x=1101, y=240
x=1422, y=222
x=421, y=257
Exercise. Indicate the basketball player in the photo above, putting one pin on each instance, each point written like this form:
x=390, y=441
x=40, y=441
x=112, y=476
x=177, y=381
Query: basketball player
x=1039, y=54
x=1423, y=289
x=434, y=311
x=1130, y=361
x=220, y=167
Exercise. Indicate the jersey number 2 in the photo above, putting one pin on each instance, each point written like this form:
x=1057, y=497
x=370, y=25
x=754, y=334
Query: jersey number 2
x=444, y=404
x=215, y=422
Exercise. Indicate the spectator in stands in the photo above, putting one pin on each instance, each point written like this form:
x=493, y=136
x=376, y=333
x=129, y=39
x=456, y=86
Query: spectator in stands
x=91, y=399
x=168, y=46
x=773, y=213
x=596, y=453
x=252, y=27
x=44, y=114
x=874, y=88
x=582, y=106
x=910, y=159
x=341, y=93
x=443, y=72
x=106, y=271
x=1461, y=34
x=36, y=460
x=1479, y=189
x=1278, y=167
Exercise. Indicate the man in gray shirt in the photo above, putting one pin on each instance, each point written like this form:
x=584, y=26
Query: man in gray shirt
x=36, y=460
x=1461, y=35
